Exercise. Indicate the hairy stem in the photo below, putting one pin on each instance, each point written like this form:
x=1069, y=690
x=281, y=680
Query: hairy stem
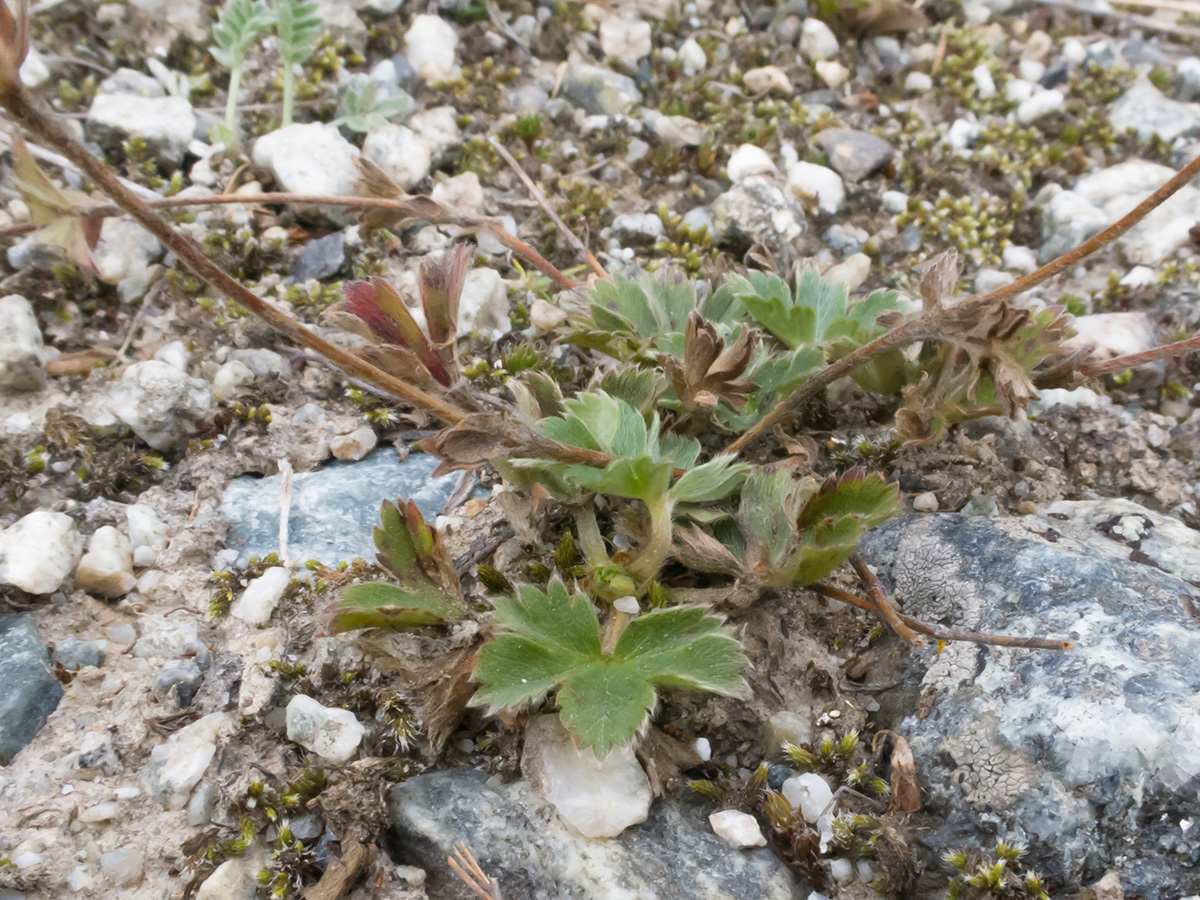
x=590, y=539
x=289, y=94
x=235, y=83
x=648, y=563
x=27, y=110
x=910, y=332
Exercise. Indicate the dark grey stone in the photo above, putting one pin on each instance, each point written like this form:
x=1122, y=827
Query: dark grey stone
x=855, y=154
x=178, y=681
x=1088, y=756
x=74, y=654
x=520, y=841
x=334, y=509
x=599, y=91
x=30, y=693
x=321, y=258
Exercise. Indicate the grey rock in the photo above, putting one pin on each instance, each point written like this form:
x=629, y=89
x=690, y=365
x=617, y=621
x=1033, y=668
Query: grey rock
x=599, y=91
x=673, y=855
x=74, y=654
x=1187, y=72
x=527, y=98
x=131, y=82
x=334, y=508
x=178, y=681
x=758, y=208
x=637, y=228
x=321, y=258
x=1067, y=221
x=166, y=124
x=310, y=158
x=1087, y=756
x=30, y=692
x=161, y=404
x=855, y=154
x=1145, y=110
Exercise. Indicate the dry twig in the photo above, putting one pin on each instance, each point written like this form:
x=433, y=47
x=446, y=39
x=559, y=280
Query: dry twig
x=467, y=868
x=883, y=604
x=941, y=632
x=579, y=246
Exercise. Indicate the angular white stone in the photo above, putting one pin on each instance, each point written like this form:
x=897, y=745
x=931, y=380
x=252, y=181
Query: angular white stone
x=768, y=79
x=355, y=445
x=310, y=159
x=693, y=57
x=161, y=404
x=21, y=365
x=234, y=879
x=807, y=179
x=164, y=123
x=332, y=734
x=926, y=502
x=177, y=765
x=38, y=551
x=852, y=271
x=748, y=160
x=832, y=72
x=398, y=150
x=1040, y=104
x=431, y=44
x=817, y=41
x=229, y=378
x=544, y=317
x=917, y=82
x=808, y=793
x=107, y=568
x=483, y=306
x=598, y=798
x=627, y=40
x=737, y=829
x=261, y=596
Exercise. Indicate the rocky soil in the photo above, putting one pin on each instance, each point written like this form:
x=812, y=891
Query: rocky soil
x=174, y=722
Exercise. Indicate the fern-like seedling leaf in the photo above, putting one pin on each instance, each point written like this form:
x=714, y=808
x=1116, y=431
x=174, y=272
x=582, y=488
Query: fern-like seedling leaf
x=298, y=28
x=237, y=24
x=550, y=640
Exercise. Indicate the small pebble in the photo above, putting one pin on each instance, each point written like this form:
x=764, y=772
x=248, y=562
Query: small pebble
x=738, y=829
x=926, y=502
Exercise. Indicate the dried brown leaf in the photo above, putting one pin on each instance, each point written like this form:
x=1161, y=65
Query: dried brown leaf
x=447, y=697
x=475, y=442
x=65, y=219
x=939, y=279
x=880, y=17
x=906, y=792
x=709, y=371
x=79, y=363
x=701, y=552
x=14, y=40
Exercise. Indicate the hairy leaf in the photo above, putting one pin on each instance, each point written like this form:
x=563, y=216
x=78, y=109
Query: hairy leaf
x=551, y=639
x=715, y=480
x=238, y=22
x=298, y=27
x=381, y=605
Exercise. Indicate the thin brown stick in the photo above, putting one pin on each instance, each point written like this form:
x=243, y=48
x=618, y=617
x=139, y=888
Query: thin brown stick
x=466, y=867
x=1109, y=234
x=429, y=211
x=537, y=194
x=883, y=604
x=941, y=632
x=1134, y=360
x=914, y=330
x=28, y=111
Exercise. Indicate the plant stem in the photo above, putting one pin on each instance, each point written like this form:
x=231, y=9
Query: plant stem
x=28, y=111
x=416, y=207
x=914, y=330
x=289, y=94
x=590, y=539
x=648, y=563
x=235, y=84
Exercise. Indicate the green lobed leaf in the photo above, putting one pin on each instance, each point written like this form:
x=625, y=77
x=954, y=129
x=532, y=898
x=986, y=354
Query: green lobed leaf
x=550, y=639
x=715, y=480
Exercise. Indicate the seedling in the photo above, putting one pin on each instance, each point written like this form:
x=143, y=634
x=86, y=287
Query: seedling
x=297, y=29
x=238, y=23
x=365, y=109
